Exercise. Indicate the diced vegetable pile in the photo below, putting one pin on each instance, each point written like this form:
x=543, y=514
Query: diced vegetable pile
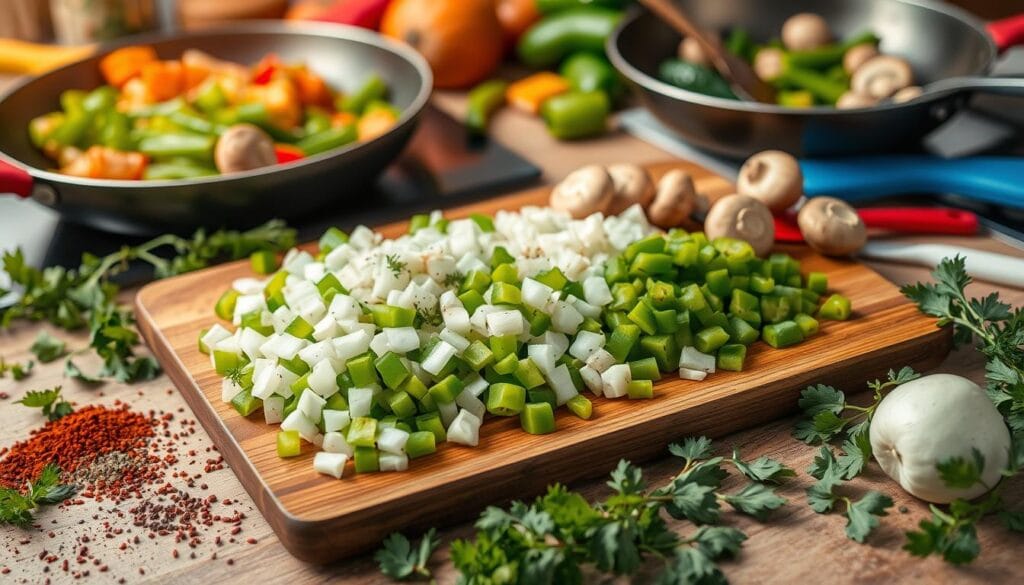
x=378, y=350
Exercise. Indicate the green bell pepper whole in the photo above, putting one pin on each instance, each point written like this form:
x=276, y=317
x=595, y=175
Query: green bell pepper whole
x=187, y=145
x=177, y=168
x=576, y=115
x=695, y=78
x=590, y=72
x=328, y=139
x=374, y=88
x=482, y=102
x=556, y=35
x=552, y=6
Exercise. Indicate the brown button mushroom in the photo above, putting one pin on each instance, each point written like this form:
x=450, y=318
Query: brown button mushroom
x=674, y=201
x=632, y=185
x=805, y=31
x=583, y=192
x=831, y=226
x=768, y=64
x=742, y=217
x=906, y=94
x=243, y=147
x=773, y=177
x=882, y=76
x=858, y=55
x=852, y=100
x=691, y=52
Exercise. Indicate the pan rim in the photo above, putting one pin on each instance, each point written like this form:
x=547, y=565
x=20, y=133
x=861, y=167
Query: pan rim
x=655, y=85
x=318, y=29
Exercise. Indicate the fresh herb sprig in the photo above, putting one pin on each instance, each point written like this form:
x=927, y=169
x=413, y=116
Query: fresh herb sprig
x=16, y=506
x=399, y=560
x=50, y=401
x=548, y=541
x=72, y=299
x=47, y=348
x=395, y=264
x=19, y=371
x=862, y=516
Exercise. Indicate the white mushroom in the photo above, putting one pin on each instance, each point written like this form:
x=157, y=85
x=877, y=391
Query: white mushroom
x=882, y=76
x=768, y=64
x=831, y=226
x=744, y=218
x=773, y=177
x=674, y=201
x=858, y=55
x=583, y=192
x=852, y=100
x=691, y=52
x=805, y=31
x=633, y=185
x=907, y=94
x=243, y=147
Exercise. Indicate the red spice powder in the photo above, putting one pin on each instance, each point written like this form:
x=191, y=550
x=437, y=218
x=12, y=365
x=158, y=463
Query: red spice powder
x=73, y=441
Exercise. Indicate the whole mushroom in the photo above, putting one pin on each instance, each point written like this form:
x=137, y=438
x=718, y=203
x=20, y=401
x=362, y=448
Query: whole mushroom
x=744, y=218
x=583, y=192
x=691, y=52
x=773, y=177
x=768, y=64
x=243, y=147
x=633, y=185
x=805, y=31
x=858, y=55
x=831, y=226
x=882, y=76
x=906, y=94
x=674, y=200
x=852, y=100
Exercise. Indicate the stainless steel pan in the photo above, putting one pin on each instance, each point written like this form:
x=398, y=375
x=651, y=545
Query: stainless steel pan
x=950, y=50
x=344, y=56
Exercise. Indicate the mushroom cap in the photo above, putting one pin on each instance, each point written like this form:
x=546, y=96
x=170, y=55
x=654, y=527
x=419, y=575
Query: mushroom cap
x=744, y=218
x=773, y=177
x=674, y=200
x=852, y=100
x=805, y=31
x=585, y=191
x=768, y=64
x=906, y=94
x=633, y=185
x=691, y=51
x=882, y=76
x=858, y=55
x=243, y=147
x=831, y=226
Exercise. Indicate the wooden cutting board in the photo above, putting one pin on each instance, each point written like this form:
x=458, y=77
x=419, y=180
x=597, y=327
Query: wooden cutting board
x=320, y=519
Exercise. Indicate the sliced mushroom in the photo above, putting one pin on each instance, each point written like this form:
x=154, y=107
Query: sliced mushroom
x=585, y=191
x=633, y=185
x=243, y=147
x=773, y=177
x=907, y=94
x=768, y=64
x=831, y=226
x=882, y=76
x=674, y=201
x=852, y=100
x=805, y=31
x=742, y=217
x=858, y=55
x=691, y=52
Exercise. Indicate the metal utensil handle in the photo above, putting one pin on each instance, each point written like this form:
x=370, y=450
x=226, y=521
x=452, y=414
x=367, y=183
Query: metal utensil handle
x=1011, y=86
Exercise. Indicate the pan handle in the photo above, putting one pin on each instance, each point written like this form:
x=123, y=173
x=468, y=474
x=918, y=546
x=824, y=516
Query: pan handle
x=1008, y=32
x=15, y=180
x=1011, y=86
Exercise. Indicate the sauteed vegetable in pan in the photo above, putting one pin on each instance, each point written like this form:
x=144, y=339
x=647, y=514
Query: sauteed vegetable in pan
x=198, y=116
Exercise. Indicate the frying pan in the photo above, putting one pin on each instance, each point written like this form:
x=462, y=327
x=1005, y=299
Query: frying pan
x=343, y=55
x=950, y=51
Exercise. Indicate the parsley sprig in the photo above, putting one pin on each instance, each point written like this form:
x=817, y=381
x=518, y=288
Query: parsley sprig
x=50, y=401
x=73, y=299
x=19, y=371
x=862, y=516
x=548, y=541
x=16, y=506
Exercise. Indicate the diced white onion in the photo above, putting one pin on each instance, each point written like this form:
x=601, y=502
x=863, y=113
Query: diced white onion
x=505, y=323
x=335, y=420
x=273, y=410
x=601, y=360
x=692, y=359
x=392, y=440
x=296, y=421
x=585, y=344
x=334, y=442
x=561, y=382
x=393, y=461
x=616, y=380
x=464, y=429
x=695, y=375
x=438, y=358
x=332, y=464
x=323, y=379
x=402, y=339
x=360, y=401
x=311, y=405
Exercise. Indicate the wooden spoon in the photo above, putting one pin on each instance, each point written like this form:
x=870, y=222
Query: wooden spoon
x=745, y=83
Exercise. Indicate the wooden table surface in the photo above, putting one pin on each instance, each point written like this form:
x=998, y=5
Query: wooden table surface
x=795, y=545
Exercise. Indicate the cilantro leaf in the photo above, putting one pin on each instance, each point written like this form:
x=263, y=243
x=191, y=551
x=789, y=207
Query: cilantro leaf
x=821, y=398
x=862, y=515
x=40, y=398
x=627, y=478
x=961, y=472
x=756, y=499
x=16, y=507
x=397, y=558
x=1012, y=519
x=47, y=348
x=761, y=469
x=855, y=453
x=694, y=502
x=691, y=565
x=719, y=541
x=692, y=449
x=72, y=371
x=614, y=548
x=820, y=496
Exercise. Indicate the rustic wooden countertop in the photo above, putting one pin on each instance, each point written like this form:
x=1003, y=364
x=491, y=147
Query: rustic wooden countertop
x=795, y=545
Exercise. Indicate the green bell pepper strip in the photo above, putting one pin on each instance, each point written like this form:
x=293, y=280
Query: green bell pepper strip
x=482, y=102
x=537, y=418
x=590, y=72
x=420, y=443
x=288, y=444
x=506, y=399
x=328, y=139
x=576, y=114
x=556, y=35
x=171, y=145
x=820, y=85
x=374, y=88
x=837, y=308
x=828, y=55
x=695, y=78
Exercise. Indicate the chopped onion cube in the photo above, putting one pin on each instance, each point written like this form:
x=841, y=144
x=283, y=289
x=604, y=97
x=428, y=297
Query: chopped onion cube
x=505, y=323
x=468, y=401
x=273, y=410
x=544, y=356
x=296, y=421
x=334, y=442
x=596, y=291
x=335, y=420
x=561, y=382
x=565, y=318
x=360, y=400
x=457, y=341
x=323, y=379
x=393, y=461
x=215, y=335
x=311, y=405
x=695, y=375
x=585, y=344
x=438, y=358
x=592, y=380
x=616, y=380
x=332, y=464
x=392, y=440
x=692, y=359
x=465, y=429
x=536, y=294
x=402, y=340
x=601, y=360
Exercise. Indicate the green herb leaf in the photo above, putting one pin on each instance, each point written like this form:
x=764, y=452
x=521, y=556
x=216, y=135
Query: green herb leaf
x=862, y=515
x=16, y=507
x=398, y=560
x=692, y=448
x=756, y=499
x=961, y=472
x=719, y=541
x=762, y=469
x=47, y=348
x=40, y=398
x=627, y=479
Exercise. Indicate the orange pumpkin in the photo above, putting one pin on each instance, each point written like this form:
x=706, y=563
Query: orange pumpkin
x=461, y=39
x=516, y=16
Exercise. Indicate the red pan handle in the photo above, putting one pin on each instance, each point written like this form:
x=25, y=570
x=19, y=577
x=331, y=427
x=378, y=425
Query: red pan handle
x=1008, y=32
x=15, y=180
x=906, y=220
